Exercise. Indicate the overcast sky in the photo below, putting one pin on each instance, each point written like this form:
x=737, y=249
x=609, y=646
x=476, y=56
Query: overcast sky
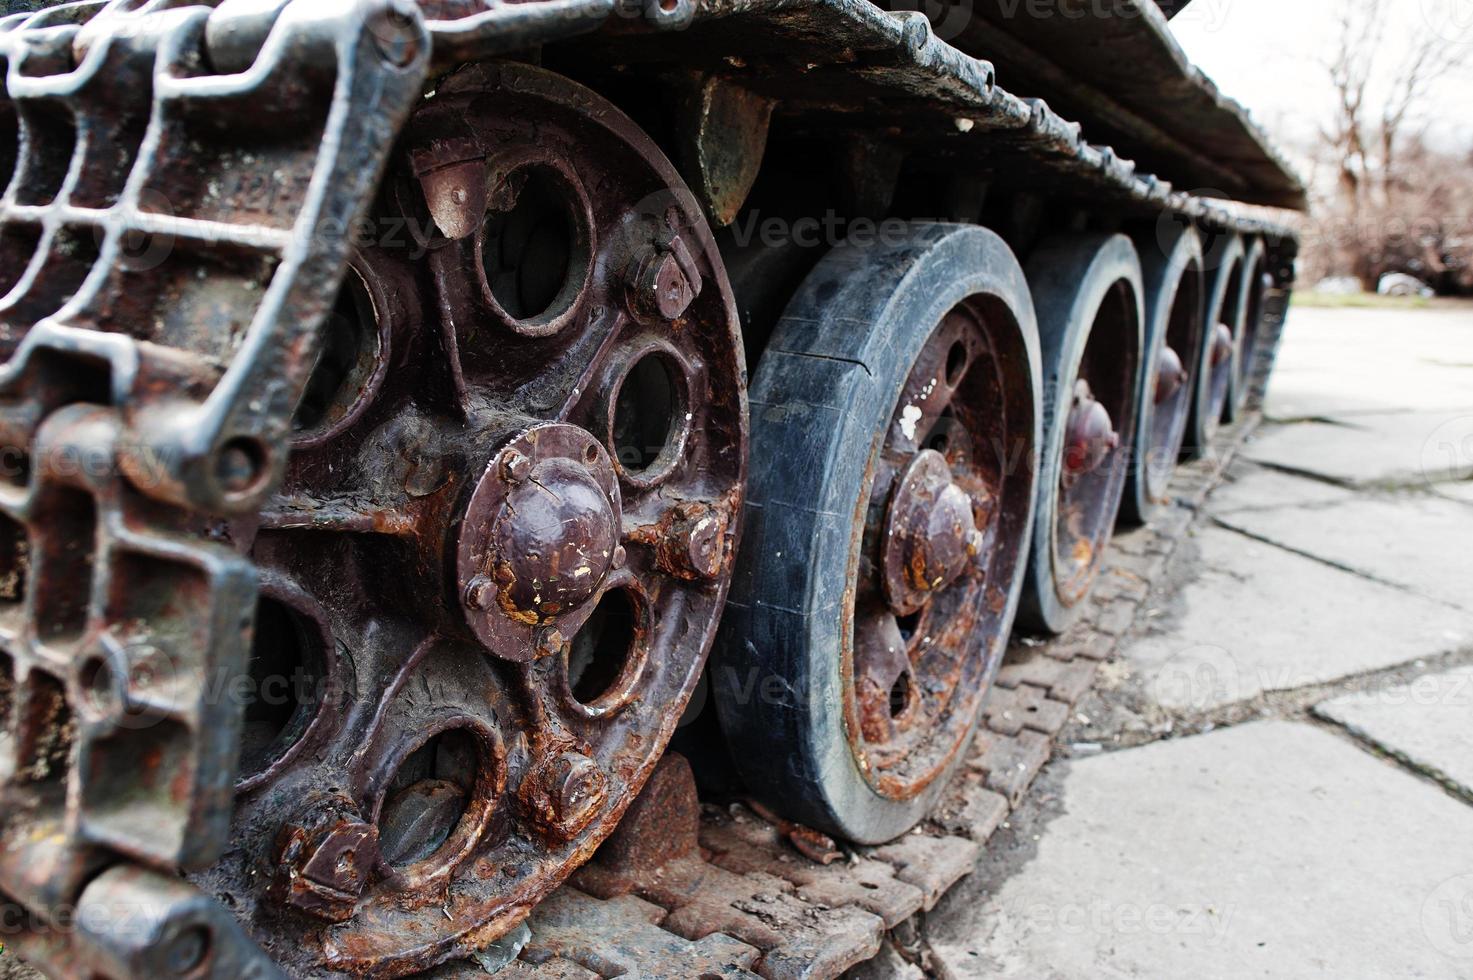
x=1270, y=55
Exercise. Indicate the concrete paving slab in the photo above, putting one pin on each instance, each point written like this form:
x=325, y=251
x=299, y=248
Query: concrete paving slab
x=1428, y=724
x=1461, y=490
x=1421, y=543
x=1409, y=449
x=1250, y=487
x=1258, y=618
x=1335, y=362
x=1272, y=850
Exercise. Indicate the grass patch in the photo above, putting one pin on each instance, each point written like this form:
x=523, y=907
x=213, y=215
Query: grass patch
x=1363, y=301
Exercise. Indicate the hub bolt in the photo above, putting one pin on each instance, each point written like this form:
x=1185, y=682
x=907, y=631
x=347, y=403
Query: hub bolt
x=664, y=279
x=323, y=862
x=515, y=467
x=692, y=543
x=551, y=642
x=1089, y=435
x=660, y=288
x=1170, y=375
x=480, y=594
x=1222, y=344
x=564, y=793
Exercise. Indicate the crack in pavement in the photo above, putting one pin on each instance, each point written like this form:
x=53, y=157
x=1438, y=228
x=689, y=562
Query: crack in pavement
x=1338, y=566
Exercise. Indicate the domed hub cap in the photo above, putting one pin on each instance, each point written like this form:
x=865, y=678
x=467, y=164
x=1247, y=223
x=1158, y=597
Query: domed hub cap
x=1090, y=435
x=1170, y=375
x=1222, y=344
x=538, y=537
x=930, y=534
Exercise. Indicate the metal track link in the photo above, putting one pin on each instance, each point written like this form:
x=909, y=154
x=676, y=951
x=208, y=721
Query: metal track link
x=187, y=182
x=740, y=889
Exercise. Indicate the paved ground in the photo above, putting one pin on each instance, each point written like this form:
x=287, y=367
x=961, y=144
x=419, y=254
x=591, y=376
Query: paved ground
x=1276, y=777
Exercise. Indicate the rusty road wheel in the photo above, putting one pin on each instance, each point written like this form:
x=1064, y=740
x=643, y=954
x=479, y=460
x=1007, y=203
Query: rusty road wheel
x=1253, y=291
x=1277, y=293
x=492, y=576
x=895, y=430
x=1172, y=277
x=1088, y=294
x=1223, y=262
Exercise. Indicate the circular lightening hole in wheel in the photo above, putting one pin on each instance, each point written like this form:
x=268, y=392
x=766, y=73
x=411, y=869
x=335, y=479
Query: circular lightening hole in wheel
x=535, y=254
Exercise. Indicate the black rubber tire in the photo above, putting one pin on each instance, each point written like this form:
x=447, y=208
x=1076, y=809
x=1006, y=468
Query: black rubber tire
x=1275, y=315
x=1071, y=278
x=1248, y=331
x=1165, y=268
x=822, y=398
x=1223, y=264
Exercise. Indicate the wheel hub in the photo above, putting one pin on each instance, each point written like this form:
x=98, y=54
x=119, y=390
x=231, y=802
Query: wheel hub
x=930, y=534
x=500, y=548
x=1170, y=375
x=538, y=538
x=1090, y=436
x=1222, y=344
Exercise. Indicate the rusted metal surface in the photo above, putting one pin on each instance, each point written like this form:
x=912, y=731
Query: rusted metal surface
x=928, y=609
x=722, y=129
x=1093, y=468
x=1118, y=66
x=168, y=277
x=1039, y=683
x=516, y=539
x=657, y=856
x=480, y=661
x=419, y=491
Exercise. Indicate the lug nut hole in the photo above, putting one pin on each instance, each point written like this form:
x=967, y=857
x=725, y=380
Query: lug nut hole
x=241, y=466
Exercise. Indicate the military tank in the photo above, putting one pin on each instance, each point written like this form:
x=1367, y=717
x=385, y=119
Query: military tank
x=408, y=406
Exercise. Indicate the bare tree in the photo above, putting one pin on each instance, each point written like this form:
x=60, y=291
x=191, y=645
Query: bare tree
x=1383, y=183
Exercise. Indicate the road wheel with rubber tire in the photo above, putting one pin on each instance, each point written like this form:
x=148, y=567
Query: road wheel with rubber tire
x=1253, y=290
x=1223, y=262
x=1087, y=291
x=896, y=424
x=1171, y=272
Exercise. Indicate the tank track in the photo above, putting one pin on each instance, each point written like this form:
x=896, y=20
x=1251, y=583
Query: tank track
x=153, y=358
x=852, y=50
x=752, y=901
